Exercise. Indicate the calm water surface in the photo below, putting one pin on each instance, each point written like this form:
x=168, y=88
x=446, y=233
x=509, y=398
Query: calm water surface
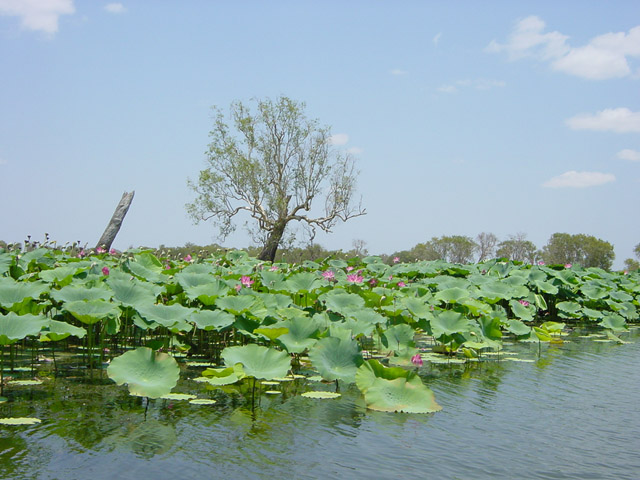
x=572, y=412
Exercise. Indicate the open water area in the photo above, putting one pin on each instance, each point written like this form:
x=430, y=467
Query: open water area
x=537, y=411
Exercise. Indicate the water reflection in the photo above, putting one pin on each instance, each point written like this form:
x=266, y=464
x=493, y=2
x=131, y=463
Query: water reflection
x=569, y=414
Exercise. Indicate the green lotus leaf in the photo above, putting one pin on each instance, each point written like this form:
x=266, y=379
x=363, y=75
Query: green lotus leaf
x=258, y=361
x=25, y=383
x=569, y=309
x=339, y=302
x=614, y=321
x=19, y=421
x=546, y=287
x=165, y=315
x=271, y=332
x=273, y=280
x=92, y=311
x=594, y=292
x=320, y=395
x=520, y=310
x=365, y=315
x=626, y=309
x=477, y=307
x=303, y=282
x=74, y=293
x=276, y=301
x=60, y=274
x=336, y=358
x=301, y=335
x=449, y=322
x=517, y=327
x=237, y=304
x=212, y=319
x=490, y=328
x=399, y=337
x=621, y=296
x=202, y=401
x=452, y=295
x=418, y=307
x=6, y=260
x=132, y=292
x=56, y=331
x=592, y=314
x=15, y=327
x=12, y=292
x=553, y=327
x=222, y=376
x=178, y=396
x=495, y=291
x=393, y=389
x=146, y=373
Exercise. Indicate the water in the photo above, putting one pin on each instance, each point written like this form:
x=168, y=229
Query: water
x=570, y=414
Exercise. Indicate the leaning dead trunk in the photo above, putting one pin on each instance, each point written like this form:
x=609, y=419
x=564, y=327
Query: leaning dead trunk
x=271, y=247
x=114, y=225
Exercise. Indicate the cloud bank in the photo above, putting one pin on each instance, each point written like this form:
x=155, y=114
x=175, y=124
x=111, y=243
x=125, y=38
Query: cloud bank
x=37, y=15
x=573, y=179
x=619, y=120
x=631, y=155
x=605, y=56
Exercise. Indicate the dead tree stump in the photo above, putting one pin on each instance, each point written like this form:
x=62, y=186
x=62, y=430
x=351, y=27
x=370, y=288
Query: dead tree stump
x=115, y=223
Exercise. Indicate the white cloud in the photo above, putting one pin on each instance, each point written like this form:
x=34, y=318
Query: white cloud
x=338, y=139
x=631, y=155
x=397, y=71
x=37, y=14
x=619, y=120
x=448, y=89
x=115, y=8
x=573, y=179
x=605, y=56
x=355, y=150
x=436, y=39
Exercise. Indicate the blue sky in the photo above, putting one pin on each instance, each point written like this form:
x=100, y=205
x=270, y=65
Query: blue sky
x=465, y=117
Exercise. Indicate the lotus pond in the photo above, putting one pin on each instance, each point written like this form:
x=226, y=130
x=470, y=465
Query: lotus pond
x=133, y=366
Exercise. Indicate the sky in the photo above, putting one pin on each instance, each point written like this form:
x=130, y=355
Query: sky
x=463, y=116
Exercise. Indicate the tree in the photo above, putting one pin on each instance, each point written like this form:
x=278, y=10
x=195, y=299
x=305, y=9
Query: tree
x=272, y=166
x=486, y=245
x=454, y=249
x=518, y=249
x=586, y=250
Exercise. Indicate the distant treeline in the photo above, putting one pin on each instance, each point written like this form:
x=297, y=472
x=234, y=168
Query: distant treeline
x=562, y=248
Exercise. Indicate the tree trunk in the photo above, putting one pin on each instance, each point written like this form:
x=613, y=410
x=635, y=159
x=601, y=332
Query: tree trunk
x=273, y=241
x=115, y=223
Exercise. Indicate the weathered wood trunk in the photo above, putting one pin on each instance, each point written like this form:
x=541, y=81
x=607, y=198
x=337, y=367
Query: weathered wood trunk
x=115, y=223
x=271, y=247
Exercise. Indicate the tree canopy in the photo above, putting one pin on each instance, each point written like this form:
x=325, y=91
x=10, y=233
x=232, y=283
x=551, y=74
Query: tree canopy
x=272, y=163
x=586, y=250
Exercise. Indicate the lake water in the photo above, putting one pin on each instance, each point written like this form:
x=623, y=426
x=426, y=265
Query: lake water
x=570, y=413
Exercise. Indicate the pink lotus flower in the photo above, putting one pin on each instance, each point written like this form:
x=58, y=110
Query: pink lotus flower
x=349, y=268
x=355, y=278
x=373, y=282
x=188, y=258
x=567, y=265
x=329, y=275
x=402, y=284
x=238, y=287
x=246, y=281
x=396, y=259
x=417, y=360
x=105, y=270
x=540, y=262
x=390, y=277
x=112, y=251
x=524, y=302
x=82, y=254
x=273, y=268
x=100, y=250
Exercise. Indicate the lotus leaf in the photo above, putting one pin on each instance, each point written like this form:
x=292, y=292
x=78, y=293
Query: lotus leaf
x=320, y=395
x=303, y=282
x=449, y=322
x=340, y=301
x=73, y=293
x=614, y=321
x=12, y=292
x=301, y=336
x=211, y=319
x=399, y=337
x=146, y=373
x=56, y=331
x=237, y=304
x=15, y=327
x=92, y=311
x=165, y=315
x=520, y=311
x=336, y=358
x=132, y=292
x=394, y=389
x=258, y=361
x=20, y=421
x=452, y=295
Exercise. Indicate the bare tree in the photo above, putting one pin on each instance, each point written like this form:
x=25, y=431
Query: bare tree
x=273, y=166
x=486, y=245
